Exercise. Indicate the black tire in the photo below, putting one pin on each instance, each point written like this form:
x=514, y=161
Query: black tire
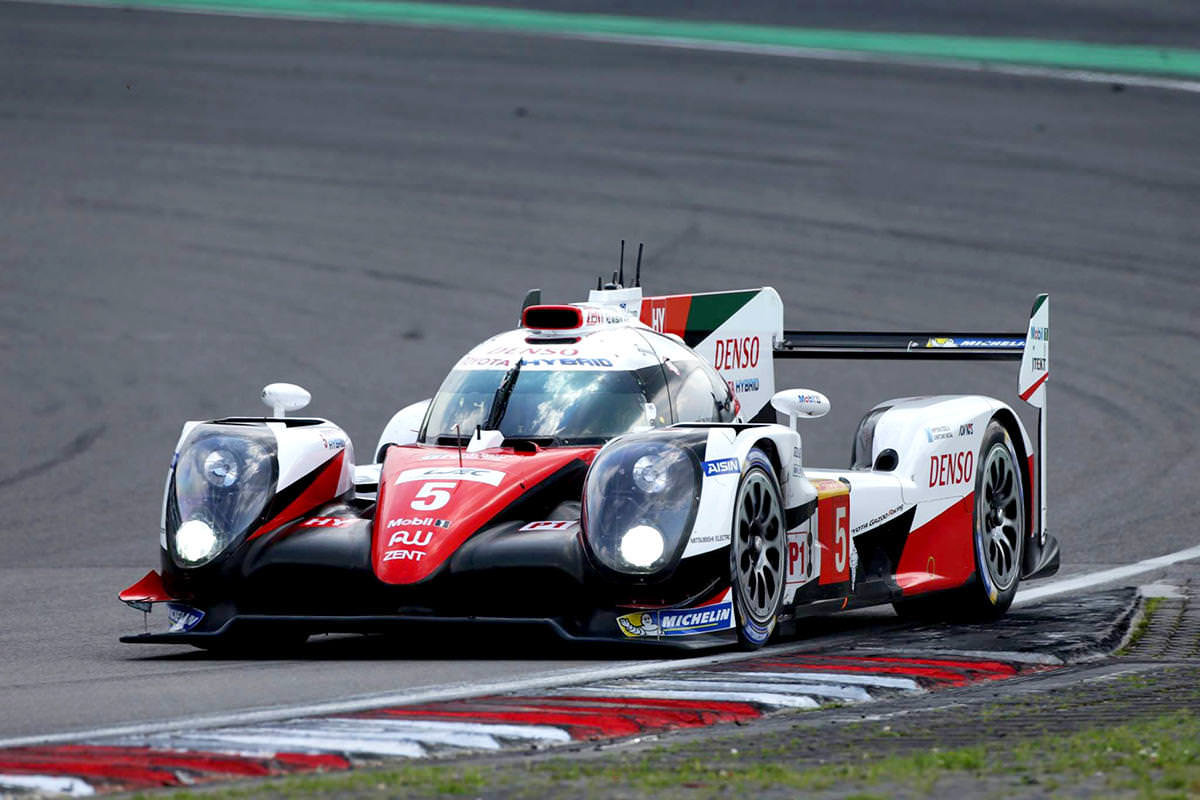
x=756, y=552
x=999, y=529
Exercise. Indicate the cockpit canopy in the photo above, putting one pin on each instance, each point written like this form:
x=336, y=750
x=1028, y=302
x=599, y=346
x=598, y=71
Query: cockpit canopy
x=580, y=399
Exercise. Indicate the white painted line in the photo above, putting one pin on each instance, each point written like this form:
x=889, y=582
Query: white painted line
x=543, y=733
x=762, y=698
x=855, y=693
x=1011, y=656
x=881, y=681
x=48, y=784
x=1070, y=585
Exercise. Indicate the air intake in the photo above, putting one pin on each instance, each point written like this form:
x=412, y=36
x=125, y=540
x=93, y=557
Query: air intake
x=552, y=318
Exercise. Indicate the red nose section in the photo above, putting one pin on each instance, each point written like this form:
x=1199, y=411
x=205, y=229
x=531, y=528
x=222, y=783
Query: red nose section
x=429, y=505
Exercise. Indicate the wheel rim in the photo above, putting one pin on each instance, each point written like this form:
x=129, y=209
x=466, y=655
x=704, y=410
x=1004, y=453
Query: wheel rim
x=758, y=547
x=1000, y=524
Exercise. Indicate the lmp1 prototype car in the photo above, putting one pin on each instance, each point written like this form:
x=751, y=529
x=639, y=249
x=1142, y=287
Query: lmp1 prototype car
x=612, y=471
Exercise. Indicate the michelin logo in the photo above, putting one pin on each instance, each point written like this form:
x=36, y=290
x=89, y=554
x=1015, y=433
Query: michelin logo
x=722, y=466
x=182, y=618
x=678, y=622
x=700, y=620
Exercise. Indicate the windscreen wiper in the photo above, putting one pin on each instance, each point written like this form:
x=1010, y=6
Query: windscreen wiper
x=500, y=400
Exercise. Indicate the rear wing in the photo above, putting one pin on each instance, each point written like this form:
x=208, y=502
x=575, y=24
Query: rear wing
x=1031, y=348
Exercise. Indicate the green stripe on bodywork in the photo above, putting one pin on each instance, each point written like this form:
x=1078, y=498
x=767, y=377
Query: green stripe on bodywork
x=708, y=312
x=1044, y=53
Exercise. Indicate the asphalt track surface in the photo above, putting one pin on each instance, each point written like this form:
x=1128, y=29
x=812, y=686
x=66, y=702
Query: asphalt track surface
x=194, y=206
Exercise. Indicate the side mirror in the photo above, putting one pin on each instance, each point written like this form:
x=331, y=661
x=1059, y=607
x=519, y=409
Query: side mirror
x=800, y=403
x=284, y=397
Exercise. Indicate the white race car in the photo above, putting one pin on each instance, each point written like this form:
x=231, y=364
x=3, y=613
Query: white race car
x=612, y=470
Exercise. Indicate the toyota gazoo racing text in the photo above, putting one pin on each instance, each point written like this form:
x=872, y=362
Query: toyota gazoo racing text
x=612, y=470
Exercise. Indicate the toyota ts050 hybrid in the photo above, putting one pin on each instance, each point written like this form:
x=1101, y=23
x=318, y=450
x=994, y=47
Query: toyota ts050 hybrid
x=611, y=470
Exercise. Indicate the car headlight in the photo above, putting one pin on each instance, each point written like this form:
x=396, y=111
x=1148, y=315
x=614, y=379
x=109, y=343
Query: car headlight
x=652, y=472
x=195, y=541
x=639, y=501
x=220, y=469
x=642, y=545
x=223, y=478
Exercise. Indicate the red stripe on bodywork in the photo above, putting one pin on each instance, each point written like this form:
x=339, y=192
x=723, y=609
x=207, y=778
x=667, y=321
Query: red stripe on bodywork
x=667, y=314
x=409, y=553
x=1028, y=393
x=941, y=553
x=322, y=489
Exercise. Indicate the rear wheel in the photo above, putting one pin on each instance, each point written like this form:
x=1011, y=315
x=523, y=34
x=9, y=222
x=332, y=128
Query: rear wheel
x=757, y=551
x=998, y=532
x=1000, y=526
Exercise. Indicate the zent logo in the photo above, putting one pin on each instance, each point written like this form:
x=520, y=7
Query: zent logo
x=432, y=495
x=403, y=555
x=951, y=468
x=737, y=353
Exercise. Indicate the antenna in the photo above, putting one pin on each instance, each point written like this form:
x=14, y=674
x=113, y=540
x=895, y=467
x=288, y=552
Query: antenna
x=599, y=282
x=622, y=280
x=637, y=277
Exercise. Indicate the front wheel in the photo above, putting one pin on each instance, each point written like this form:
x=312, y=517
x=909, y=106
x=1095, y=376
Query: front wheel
x=756, y=554
x=1000, y=526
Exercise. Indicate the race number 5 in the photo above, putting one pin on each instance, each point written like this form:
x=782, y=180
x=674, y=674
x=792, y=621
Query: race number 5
x=433, y=495
x=833, y=523
x=841, y=540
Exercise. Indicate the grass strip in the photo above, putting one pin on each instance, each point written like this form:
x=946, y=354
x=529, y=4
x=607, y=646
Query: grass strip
x=1184, y=62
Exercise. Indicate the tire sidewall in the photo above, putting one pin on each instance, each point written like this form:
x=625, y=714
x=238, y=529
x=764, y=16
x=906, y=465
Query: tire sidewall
x=752, y=633
x=990, y=596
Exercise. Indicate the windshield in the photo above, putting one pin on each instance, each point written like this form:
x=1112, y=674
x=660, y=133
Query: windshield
x=567, y=406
